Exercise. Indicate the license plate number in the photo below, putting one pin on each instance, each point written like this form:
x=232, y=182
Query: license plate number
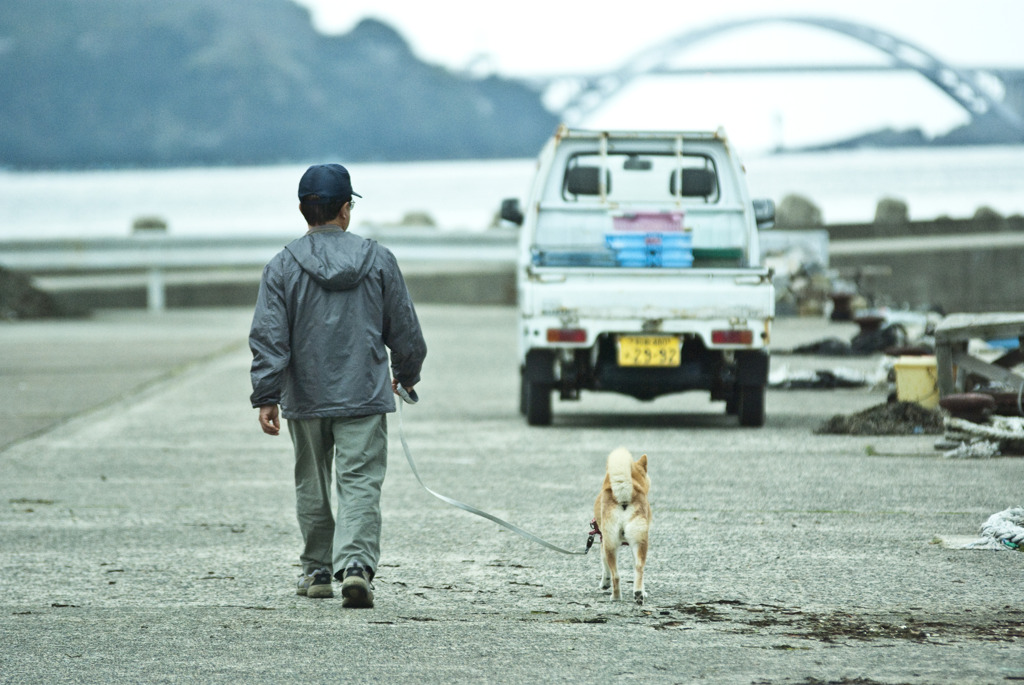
x=648, y=350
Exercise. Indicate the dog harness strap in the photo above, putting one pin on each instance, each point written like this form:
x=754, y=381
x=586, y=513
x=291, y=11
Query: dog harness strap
x=595, y=532
x=466, y=507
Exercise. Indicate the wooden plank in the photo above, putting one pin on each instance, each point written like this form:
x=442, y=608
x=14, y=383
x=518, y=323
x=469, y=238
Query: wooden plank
x=967, y=364
x=992, y=326
x=944, y=353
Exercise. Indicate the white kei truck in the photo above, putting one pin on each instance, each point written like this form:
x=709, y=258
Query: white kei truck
x=640, y=272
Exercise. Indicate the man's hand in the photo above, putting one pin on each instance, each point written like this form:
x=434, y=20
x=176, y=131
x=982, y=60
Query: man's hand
x=404, y=391
x=270, y=420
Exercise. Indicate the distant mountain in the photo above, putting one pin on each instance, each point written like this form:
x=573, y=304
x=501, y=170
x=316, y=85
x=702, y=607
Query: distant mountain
x=983, y=129
x=141, y=83
x=983, y=132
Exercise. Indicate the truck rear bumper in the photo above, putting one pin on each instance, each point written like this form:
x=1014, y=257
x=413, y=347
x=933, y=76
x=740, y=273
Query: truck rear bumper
x=598, y=369
x=646, y=384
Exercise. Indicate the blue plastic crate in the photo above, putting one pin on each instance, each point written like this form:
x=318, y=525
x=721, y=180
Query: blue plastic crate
x=675, y=258
x=651, y=249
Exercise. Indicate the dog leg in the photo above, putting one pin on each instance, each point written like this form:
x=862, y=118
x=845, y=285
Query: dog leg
x=606, y=576
x=611, y=552
x=639, y=559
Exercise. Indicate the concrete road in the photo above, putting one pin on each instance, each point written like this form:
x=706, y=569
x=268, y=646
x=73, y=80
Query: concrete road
x=51, y=370
x=152, y=537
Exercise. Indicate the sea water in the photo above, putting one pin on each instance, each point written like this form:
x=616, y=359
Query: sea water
x=466, y=195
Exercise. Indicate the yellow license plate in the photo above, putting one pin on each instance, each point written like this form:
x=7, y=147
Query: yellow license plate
x=648, y=350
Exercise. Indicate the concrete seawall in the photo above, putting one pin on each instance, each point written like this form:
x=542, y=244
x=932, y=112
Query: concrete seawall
x=979, y=278
x=953, y=265
x=983, y=223
x=429, y=283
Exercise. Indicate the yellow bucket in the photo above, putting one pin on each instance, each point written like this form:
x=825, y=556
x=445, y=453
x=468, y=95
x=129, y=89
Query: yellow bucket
x=917, y=380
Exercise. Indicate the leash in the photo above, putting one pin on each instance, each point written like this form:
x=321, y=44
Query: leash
x=411, y=398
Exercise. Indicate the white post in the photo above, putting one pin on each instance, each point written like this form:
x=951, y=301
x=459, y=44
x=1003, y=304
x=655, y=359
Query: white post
x=155, y=288
x=155, y=291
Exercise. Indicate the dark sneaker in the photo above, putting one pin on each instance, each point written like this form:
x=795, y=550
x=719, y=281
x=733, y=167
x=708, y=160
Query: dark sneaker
x=356, y=590
x=316, y=585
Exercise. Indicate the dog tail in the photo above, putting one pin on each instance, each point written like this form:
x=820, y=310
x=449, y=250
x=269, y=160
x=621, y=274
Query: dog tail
x=620, y=475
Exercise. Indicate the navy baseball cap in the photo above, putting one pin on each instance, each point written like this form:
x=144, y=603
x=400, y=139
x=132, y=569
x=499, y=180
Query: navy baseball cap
x=329, y=182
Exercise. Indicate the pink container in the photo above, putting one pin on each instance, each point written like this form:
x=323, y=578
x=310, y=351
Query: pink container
x=649, y=222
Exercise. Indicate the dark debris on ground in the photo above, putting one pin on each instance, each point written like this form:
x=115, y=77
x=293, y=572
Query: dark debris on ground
x=891, y=418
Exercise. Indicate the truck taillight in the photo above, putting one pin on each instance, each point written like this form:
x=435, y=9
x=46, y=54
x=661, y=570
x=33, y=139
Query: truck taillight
x=567, y=335
x=732, y=337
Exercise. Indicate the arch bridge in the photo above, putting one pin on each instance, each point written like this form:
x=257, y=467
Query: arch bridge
x=959, y=85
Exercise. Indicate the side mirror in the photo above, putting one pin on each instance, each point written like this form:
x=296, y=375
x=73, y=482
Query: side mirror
x=764, y=212
x=510, y=211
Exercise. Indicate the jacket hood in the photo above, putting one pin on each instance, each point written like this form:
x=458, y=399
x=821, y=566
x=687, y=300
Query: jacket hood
x=335, y=259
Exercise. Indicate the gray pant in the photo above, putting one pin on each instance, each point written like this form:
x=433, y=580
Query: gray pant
x=358, y=448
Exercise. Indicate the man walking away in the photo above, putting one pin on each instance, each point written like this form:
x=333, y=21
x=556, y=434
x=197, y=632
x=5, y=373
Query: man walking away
x=330, y=306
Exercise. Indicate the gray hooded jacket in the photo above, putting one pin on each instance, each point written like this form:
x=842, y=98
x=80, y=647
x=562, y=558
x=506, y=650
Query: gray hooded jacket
x=330, y=306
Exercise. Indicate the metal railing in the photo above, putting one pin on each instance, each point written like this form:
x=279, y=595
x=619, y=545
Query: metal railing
x=156, y=253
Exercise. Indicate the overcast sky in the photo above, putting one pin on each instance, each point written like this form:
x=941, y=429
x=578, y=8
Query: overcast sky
x=545, y=36
x=541, y=37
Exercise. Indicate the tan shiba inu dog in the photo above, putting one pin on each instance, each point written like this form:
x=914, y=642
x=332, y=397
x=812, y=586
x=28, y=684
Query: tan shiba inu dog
x=623, y=516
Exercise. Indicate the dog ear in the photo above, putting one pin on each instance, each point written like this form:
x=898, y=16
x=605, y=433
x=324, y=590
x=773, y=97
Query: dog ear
x=643, y=462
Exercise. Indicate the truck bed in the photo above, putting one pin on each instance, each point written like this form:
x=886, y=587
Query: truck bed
x=675, y=297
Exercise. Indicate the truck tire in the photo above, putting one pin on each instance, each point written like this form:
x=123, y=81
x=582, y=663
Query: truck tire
x=751, y=405
x=522, y=391
x=538, y=383
x=538, y=403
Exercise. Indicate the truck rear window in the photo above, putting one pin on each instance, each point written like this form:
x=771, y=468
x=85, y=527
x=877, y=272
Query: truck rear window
x=632, y=178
